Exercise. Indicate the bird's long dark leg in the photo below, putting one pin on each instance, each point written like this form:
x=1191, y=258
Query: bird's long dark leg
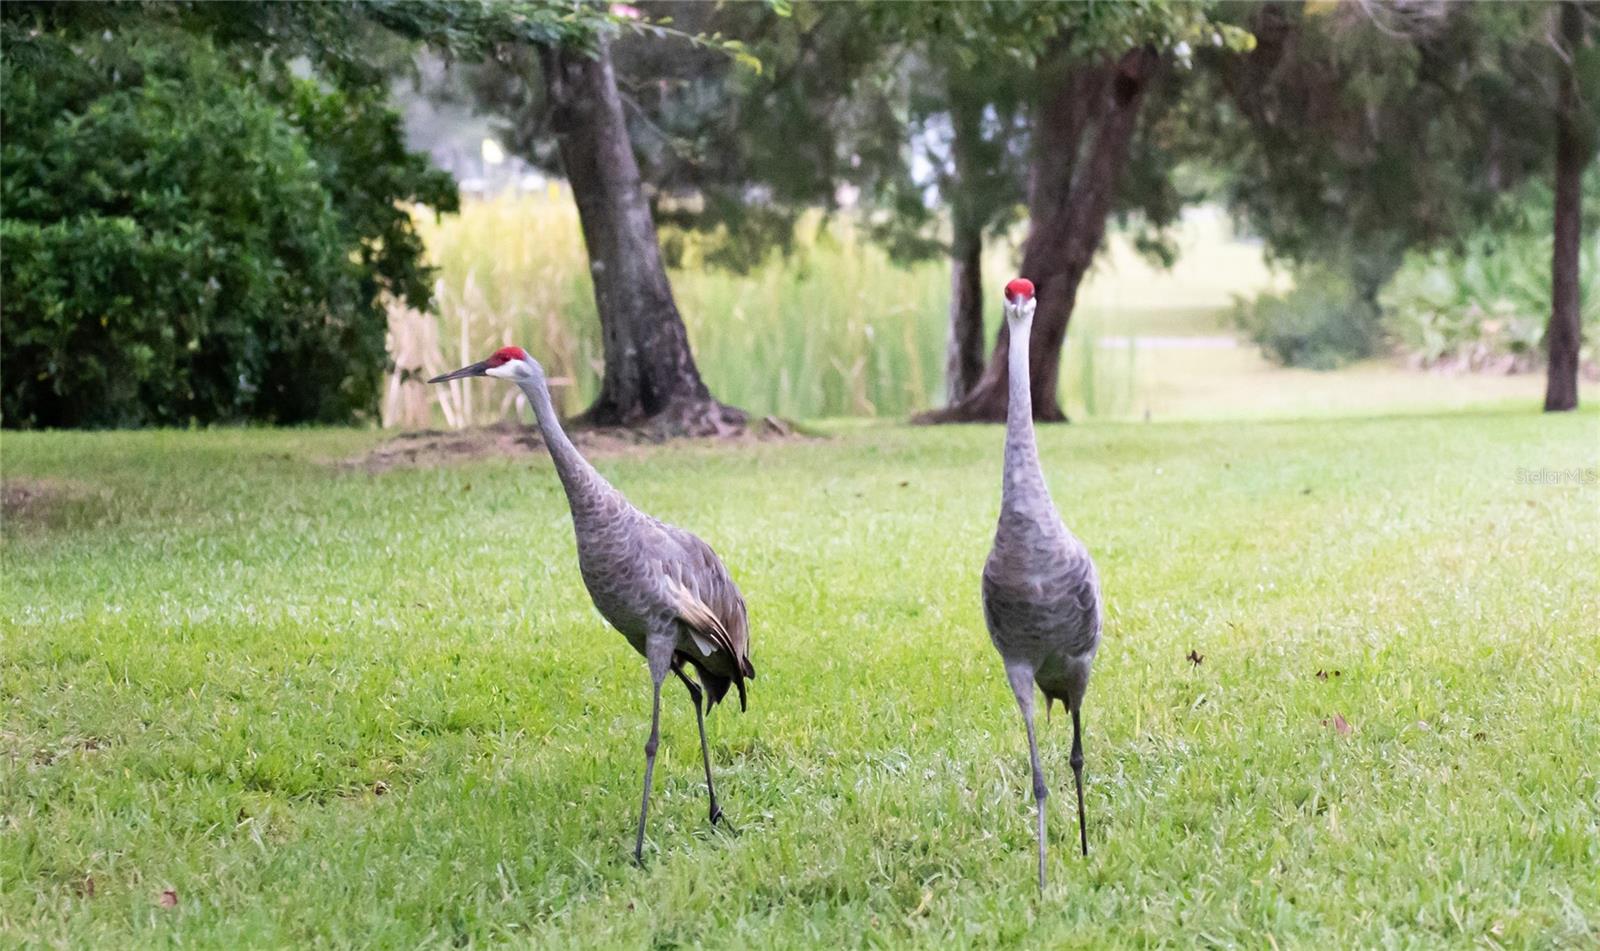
x=1077, y=773
x=659, y=656
x=1022, y=685
x=649, y=770
x=695, y=694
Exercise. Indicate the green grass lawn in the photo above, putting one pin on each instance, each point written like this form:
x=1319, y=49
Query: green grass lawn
x=322, y=705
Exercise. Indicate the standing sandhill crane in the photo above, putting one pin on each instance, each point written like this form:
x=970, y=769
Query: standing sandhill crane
x=1041, y=596
x=663, y=588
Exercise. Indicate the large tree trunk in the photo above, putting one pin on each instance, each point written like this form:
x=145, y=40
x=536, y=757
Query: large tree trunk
x=650, y=376
x=1083, y=127
x=1563, y=333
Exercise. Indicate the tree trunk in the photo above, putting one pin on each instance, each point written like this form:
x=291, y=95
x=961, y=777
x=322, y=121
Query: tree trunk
x=1563, y=334
x=650, y=377
x=1083, y=127
x=964, y=353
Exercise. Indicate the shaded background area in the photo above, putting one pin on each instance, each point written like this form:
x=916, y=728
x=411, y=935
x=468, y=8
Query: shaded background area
x=697, y=213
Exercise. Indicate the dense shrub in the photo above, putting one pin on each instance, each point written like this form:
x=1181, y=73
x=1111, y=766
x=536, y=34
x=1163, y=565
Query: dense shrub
x=1322, y=323
x=183, y=242
x=1486, y=304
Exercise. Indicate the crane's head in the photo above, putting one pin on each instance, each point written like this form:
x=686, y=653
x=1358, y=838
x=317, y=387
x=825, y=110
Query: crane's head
x=507, y=363
x=1020, y=301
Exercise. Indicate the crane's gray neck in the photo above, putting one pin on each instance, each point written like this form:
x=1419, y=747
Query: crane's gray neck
x=580, y=480
x=1023, y=477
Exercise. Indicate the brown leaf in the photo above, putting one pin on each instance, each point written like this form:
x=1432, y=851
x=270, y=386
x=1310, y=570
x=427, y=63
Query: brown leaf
x=1322, y=675
x=86, y=887
x=1341, y=725
x=380, y=788
x=1195, y=657
x=168, y=899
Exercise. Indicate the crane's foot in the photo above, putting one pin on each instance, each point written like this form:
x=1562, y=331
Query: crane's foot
x=723, y=824
x=716, y=814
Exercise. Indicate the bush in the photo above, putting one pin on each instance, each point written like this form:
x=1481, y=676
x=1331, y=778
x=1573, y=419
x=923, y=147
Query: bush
x=1322, y=323
x=184, y=244
x=1486, y=304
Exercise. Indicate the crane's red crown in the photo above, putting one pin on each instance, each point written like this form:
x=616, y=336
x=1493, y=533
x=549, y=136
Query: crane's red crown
x=1020, y=289
x=505, y=355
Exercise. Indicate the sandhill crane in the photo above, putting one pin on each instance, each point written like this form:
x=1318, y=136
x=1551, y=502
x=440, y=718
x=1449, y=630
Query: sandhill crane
x=664, y=589
x=1041, y=596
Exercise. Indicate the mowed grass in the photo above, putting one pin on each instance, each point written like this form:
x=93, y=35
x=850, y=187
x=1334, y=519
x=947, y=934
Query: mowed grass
x=323, y=706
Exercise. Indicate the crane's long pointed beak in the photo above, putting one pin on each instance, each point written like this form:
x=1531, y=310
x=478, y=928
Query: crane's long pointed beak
x=477, y=369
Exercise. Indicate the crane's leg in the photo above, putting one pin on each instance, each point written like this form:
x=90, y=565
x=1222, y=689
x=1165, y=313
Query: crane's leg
x=1077, y=773
x=695, y=694
x=1022, y=685
x=658, y=652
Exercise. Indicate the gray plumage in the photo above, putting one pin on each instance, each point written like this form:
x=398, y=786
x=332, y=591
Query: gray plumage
x=663, y=588
x=1041, y=595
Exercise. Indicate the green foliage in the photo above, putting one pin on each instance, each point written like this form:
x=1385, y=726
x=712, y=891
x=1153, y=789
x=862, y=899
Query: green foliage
x=185, y=243
x=1363, y=130
x=1323, y=322
x=740, y=156
x=1356, y=133
x=974, y=72
x=1485, y=304
x=845, y=96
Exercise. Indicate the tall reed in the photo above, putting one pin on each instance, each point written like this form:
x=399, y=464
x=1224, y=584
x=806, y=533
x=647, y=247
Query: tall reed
x=834, y=329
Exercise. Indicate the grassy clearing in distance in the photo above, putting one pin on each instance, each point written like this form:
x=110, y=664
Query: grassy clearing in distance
x=327, y=707
x=1242, y=384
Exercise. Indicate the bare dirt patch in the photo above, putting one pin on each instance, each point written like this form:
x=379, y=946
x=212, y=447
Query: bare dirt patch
x=28, y=501
x=429, y=448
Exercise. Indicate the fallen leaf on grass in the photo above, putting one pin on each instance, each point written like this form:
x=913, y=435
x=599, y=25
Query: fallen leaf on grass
x=922, y=906
x=1196, y=658
x=86, y=887
x=168, y=899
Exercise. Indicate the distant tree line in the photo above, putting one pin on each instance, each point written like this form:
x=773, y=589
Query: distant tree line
x=200, y=201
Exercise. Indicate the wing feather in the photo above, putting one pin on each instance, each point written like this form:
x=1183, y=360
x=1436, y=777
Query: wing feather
x=707, y=599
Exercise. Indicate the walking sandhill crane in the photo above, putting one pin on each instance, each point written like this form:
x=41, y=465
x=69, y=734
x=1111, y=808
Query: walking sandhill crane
x=1041, y=596
x=664, y=589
